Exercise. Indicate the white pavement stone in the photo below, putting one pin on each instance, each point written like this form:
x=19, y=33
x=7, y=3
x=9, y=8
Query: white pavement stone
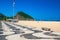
x=43, y=35
x=6, y=29
x=15, y=37
x=23, y=29
x=58, y=33
x=8, y=33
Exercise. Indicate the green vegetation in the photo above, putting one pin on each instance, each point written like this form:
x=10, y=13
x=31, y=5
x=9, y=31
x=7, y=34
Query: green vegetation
x=2, y=17
x=21, y=14
x=9, y=17
x=24, y=15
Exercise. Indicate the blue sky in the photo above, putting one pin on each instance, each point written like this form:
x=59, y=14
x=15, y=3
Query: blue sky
x=38, y=9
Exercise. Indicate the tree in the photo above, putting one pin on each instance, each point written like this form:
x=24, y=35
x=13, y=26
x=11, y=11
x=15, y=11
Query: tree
x=2, y=17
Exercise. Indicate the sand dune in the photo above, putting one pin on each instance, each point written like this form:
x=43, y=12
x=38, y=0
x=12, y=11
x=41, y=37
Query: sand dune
x=55, y=26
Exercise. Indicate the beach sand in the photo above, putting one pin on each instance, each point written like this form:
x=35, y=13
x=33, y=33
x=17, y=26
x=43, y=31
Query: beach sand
x=53, y=25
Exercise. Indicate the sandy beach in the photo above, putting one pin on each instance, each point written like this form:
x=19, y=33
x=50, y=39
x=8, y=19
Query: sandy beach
x=53, y=25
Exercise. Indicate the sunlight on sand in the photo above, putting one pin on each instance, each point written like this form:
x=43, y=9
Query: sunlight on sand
x=53, y=25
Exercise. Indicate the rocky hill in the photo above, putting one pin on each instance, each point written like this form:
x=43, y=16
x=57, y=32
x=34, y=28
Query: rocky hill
x=20, y=16
x=23, y=16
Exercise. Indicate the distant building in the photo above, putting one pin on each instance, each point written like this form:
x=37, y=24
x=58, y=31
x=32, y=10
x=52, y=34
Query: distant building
x=12, y=20
x=9, y=20
x=19, y=17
